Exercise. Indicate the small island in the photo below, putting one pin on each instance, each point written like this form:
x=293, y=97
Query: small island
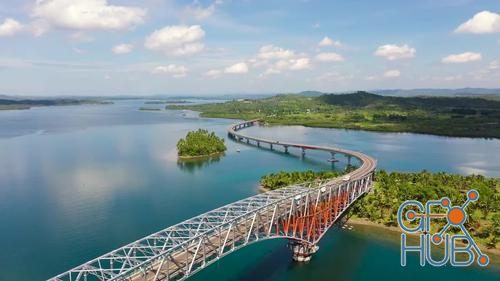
x=200, y=144
x=149, y=109
x=167, y=102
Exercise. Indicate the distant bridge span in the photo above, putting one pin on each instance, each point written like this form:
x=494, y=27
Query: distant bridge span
x=300, y=213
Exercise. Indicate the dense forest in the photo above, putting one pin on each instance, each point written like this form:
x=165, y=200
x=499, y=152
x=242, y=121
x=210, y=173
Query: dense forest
x=392, y=189
x=200, y=143
x=448, y=116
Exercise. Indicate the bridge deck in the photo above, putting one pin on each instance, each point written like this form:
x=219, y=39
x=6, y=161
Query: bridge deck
x=367, y=163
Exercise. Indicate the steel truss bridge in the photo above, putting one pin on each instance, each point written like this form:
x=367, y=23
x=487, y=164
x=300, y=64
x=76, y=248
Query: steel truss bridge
x=300, y=213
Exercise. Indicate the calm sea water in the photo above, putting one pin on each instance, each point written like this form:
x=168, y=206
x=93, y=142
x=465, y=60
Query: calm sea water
x=78, y=181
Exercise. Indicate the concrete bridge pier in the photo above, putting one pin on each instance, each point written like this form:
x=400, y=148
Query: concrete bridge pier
x=286, y=148
x=302, y=252
x=271, y=146
x=349, y=158
x=248, y=140
x=303, y=152
x=332, y=159
x=258, y=143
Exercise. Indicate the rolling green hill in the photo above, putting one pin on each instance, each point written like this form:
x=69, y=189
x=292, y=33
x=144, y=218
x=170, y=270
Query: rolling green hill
x=447, y=116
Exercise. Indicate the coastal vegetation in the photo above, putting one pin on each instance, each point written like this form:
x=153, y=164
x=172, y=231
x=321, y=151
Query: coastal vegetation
x=282, y=179
x=149, y=109
x=391, y=189
x=447, y=116
x=11, y=104
x=200, y=143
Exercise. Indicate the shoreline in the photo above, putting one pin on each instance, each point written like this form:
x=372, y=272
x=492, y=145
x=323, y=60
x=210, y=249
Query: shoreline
x=200, y=157
x=353, y=128
x=396, y=230
x=364, y=222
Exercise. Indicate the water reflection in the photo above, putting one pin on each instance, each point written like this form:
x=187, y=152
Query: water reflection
x=192, y=165
x=95, y=183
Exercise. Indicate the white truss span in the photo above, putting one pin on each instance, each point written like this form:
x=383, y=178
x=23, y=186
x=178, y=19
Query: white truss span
x=301, y=213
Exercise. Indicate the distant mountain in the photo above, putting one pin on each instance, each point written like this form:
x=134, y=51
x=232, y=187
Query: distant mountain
x=438, y=92
x=10, y=103
x=309, y=93
x=5, y=97
x=415, y=92
x=365, y=99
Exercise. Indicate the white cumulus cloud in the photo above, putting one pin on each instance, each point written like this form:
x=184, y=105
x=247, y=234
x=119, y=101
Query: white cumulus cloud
x=328, y=42
x=395, y=52
x=393, y=73
x=277, y=59
x=270, y=52
x=329, y=57
x=213, y=73
x=176, y=71
x=198, y=12
x=10, y=27
x=462, y=58
x=177, y=40
x=482, y=22
x=270, y=71
x=334, y=76
x=293, y=64
x=238, y=68
x=122, y=49
x=85, y=15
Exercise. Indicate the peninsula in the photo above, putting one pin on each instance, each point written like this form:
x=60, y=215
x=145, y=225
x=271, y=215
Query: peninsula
x=445, y=116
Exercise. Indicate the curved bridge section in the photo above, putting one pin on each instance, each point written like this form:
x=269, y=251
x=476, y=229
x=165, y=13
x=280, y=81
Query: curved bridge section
x=300, y=213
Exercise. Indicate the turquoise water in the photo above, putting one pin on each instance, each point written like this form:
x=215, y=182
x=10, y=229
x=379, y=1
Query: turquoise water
x=78, y=181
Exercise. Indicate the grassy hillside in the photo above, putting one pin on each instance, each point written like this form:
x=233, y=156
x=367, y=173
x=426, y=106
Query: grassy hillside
x=447, y=116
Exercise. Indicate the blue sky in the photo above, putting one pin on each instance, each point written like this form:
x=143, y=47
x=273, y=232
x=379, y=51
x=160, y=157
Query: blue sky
x=113, y=47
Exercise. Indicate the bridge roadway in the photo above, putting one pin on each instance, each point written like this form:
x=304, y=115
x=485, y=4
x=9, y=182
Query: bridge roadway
x=300, y=213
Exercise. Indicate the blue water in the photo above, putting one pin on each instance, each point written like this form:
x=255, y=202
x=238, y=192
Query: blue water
x=78, y=181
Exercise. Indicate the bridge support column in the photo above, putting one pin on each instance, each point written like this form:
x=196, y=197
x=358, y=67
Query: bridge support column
x=349, y=157
x=303, y=152
x=248, y=140
x=271, y=146
x=302, y=252
x=286, y=149
x=258, y=143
